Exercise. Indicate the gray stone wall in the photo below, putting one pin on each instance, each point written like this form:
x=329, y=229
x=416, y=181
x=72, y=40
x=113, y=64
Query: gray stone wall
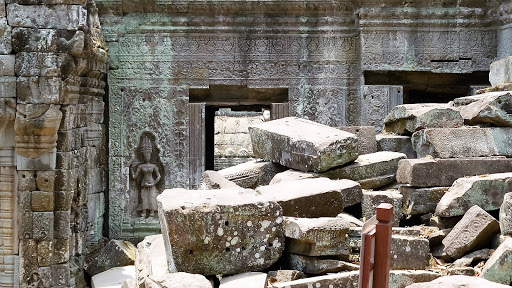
x=52, y=147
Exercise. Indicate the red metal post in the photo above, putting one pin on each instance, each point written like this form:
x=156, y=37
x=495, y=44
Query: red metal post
x=383, y=246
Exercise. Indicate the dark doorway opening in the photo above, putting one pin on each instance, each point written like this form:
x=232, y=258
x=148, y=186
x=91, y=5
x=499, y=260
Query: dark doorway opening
x=429, y=87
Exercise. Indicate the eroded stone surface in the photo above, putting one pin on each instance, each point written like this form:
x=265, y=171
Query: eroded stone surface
x=506, y=215
x=214, y=180
x=463, y=142
x=283, y=276
x=214, y=232
x=113, y=277
x=69, y=17
x=443, y=172
x=488, y=108
x=150, y=259
x=499, y=266
x=302, y=144
x=290, y=175
x=319, y=197
x=409, y=252
x=458, y=281
x=396, y=143
x=409, y=118
x=249, y=280
x=370, y=170
x=486, y=191
x=501, y=71
x=366, y=140
x=372, y=199
x=116, y=253
x=316, y=265
x=417, y=201
x=252, y=174
x=472, y=232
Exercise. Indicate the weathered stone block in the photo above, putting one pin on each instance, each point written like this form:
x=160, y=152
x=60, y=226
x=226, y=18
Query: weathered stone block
x=435, y=238
x=488, y=108
x=403, y=278
x=463, y=142
x=116, y=253
x=247, y=280
x=114, y=277
x=60, y=251
x=150, y=259
x=486, y=191
x=60, y=275
x=291, y=175
x=63, y=200
x=214, y=180
x=42, y=202
x=26, y=180
x=409, y=253
x=48, y=40
x=177, y=280
x=472, y=232
x=42, y=225
x=468, y=259
x=7, y=87
x=372, y=199
x=343, y=279
x=283, y=276
x=62, y=228
x=67, y=17
x=409, y=118
x=69, y=140
x=443, y=172
x=317, y=236
x=366, y=141
x=46, y=161
x=7, y=63
x=458, y=281
x=501, y=71
x=370, y=170
x=44, y=252
x=506, y=215
x=5, y=33
x=215, y=232
x=310, y=198
x=396, y=143
x=499, y=267
x=302, y=144
x=25, y=227
x=316, y=265
x=39, y=90
x=418, y=201
x=45, y=180
x=44, y=64
x=28, y=258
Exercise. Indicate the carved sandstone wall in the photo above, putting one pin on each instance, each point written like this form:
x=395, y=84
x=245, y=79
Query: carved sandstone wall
x=52, y=136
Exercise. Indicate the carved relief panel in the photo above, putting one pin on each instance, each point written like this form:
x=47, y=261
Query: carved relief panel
x=378, y=100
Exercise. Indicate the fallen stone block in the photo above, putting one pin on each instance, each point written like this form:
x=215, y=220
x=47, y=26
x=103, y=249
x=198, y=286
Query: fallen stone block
x=252, y=174
x=354, y=222
x=316, y=265
x=246, y=280
x=437, y=237
x=290, y=175
x=227, y=231
x=409, y=253
x=283, y=276
x=372, y=199
x=302, y=144
x=506, y=215
x=486, y=191
x=467, y=271
x=151, y=259
x=311, y=198
x=366, y=141
x=214, y=180
x=489, y=108
x=326, y=236
x=444, y=222
x=472, y=257
x=114, y=277
x=463, y=142
x=501, y=71
x=418, y=201
x=370, y=170
x=443, y=172
x=458, y=281
x=178, y=280
x=474, y=231
x=403, y=278
x=499, y=267
x=396, y=143
x=116, y=253
x=409, y=118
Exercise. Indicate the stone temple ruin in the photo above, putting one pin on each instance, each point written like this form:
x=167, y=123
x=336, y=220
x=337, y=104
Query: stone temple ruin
x=106, y=104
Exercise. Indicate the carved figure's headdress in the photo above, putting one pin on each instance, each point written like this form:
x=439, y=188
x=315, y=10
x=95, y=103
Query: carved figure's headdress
x=146, y=145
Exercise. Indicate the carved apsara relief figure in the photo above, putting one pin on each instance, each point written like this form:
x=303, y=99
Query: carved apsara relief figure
x=146, y=173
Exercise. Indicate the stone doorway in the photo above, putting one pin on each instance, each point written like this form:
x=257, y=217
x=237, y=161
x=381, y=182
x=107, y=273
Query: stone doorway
x=219, y=120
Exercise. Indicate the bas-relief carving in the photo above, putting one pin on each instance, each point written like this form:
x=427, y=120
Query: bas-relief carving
x=146, y=173
x=378, y=100
x=8, y=232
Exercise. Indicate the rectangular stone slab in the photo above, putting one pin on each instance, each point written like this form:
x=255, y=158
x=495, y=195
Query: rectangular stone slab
x=488, y=108
x=418, y=201
x=463, y=142
x=370, y=170
x=310, y=198
x=302, y=144
x=225, y=231
x=443, y=172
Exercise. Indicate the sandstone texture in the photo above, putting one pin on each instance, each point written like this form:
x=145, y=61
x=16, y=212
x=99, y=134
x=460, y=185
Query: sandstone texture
x=320, y=197
x=214, y=180
x=114, y=277
x=409, y=118
x=499, y=266
x=506, y=215
x=463, y=142
x=418, y=201
x=489, y=108
x=249, y=280
x=471, y=233
x=366, y=138
x=316, y=265
x=372, y=199
x=409, y=253
x=290, y=175
x=302, y=144
x=116, y=253
x=458, y=281
x=178, y=280
x=214, y=232
x=486, y=191
x=252, y=173
x=370, y=170
x=501, y=71
x=396, y=143
x=443, y=172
